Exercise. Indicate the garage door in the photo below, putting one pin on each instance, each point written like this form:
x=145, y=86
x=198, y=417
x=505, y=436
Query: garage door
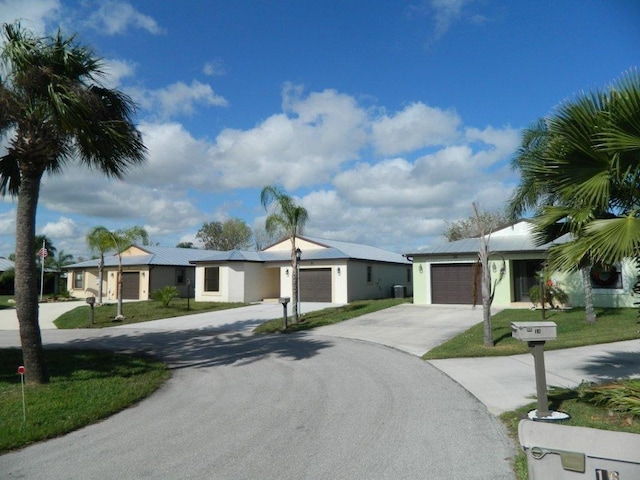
x=130, y=285
x=453, y=284
x=315, y=285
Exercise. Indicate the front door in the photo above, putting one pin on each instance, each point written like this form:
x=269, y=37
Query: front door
x=524, y=277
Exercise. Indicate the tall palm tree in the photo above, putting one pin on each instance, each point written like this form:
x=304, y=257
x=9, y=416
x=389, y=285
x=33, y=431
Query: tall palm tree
x=58, y=262
x=120, y=240
x=53, y=110
x=99, y=240
x=289, y=218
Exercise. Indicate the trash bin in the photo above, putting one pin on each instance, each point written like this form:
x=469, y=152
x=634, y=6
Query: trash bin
x=564, y=452
x=398, y=291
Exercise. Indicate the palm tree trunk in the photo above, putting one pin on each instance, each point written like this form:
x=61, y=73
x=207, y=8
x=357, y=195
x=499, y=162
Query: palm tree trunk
x=26, y=281
x=119, y=313
x=588, y=295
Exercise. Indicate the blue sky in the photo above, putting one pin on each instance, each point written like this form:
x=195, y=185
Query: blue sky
x=384, y=119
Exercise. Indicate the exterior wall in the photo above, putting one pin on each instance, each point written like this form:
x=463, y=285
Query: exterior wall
x=422, y=277
x=260, y=282
x=383, y=278
x=301, y=243
x=109, y=283
x=339, y=281
x=162, y=276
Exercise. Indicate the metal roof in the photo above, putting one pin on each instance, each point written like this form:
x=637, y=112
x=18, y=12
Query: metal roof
x=516, y=238
x=165, y=256
x=6, y=264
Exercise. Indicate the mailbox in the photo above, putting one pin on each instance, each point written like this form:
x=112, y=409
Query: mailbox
x=91, y=300
x=285, y=300
x=533, y=331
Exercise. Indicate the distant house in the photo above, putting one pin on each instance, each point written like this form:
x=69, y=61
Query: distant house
x=6, y=286
x=330, y=271
x=445, y=274
x=145, y=269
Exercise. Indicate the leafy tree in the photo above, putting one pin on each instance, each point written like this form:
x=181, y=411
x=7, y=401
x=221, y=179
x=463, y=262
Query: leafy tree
x=185, y=245
x=99, y=240
x=228, y=235
x=472, y=227
x=119, y=241
x=288, y=217
x=53, y=110
x=263, y=239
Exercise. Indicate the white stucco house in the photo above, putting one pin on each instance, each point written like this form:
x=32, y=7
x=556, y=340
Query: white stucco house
x=330, y=271
x=445, y=274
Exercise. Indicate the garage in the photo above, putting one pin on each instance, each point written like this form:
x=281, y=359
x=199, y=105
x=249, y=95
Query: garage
x=130, y=285
x=452, y=283
x=315, y=285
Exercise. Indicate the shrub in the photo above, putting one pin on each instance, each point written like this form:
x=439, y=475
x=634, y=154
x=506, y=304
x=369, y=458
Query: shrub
x=165, y=295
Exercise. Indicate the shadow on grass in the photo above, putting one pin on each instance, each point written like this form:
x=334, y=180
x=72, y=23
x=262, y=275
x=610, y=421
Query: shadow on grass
x=203, y=347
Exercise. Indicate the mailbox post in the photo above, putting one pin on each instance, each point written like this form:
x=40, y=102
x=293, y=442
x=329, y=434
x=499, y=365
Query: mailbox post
x=91, y=301
x=536, y=334
x=284, y=301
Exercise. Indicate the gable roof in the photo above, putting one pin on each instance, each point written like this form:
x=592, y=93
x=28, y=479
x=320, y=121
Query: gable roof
x=515, y=238
x=327, y=250
x=6, y=264
x=165, y=256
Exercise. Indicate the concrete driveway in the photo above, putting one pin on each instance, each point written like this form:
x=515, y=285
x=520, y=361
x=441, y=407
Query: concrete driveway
x=286, y=407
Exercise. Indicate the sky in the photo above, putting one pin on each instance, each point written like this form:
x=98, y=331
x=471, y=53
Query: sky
x=384, y=119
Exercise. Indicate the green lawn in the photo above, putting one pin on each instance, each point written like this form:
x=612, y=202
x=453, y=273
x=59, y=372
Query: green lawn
x=613, y=325
x=329, y=316
x=85, y=387
x=136, y=312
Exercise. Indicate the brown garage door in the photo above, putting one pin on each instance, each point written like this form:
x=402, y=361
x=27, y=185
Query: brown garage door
x=315, y=285
x=453, y=284
x=130, y=285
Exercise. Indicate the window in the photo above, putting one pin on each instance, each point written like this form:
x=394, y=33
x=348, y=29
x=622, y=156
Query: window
x=369, y=273
x=408, y=274
x=181, y=276
x=78, y=278
x=212, y=279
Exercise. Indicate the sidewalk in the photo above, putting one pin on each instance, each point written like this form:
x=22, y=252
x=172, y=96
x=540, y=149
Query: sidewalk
x=47, y=313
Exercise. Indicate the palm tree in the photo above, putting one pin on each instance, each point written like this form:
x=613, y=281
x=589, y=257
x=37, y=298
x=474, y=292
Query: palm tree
x=119, y=241
x=99, y=239
x=290, y=218
x=53, y=110
x=588, y=163
x=58, y=263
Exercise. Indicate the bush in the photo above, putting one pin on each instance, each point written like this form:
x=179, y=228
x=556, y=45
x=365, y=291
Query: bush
x=165, y=295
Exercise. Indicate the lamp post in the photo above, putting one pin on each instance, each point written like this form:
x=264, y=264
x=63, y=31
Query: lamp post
x=298, y=256
x=188, y=291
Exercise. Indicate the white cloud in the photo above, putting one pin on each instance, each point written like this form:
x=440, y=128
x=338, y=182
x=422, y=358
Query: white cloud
x=117, y=17
x=177, y=99
x=215, y=68
x=415, y=127
x=32, y=14
x=115, y=71
x=64, y=228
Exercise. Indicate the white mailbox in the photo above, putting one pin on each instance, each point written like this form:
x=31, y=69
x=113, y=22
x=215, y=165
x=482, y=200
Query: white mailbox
x=533, y=331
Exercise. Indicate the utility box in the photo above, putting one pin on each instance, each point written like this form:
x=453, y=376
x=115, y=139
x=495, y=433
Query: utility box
x=533, y=331
x=566, y=452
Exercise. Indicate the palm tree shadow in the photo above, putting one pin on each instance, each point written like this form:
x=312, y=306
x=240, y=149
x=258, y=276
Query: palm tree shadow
x=203, y=348
x=610, y=366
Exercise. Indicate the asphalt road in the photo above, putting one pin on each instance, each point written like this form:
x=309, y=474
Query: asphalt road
x=276, y=407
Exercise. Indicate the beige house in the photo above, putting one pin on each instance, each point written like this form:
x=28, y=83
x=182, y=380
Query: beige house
x=144, y=270
x=445, y=274
x=330, y=271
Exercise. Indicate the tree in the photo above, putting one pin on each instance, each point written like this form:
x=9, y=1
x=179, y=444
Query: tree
x=99, y=240
x=58, y=263
x=120, y=240
x=288, y=217
x=472, y=227
x=228, y=235
x=53, y=110
x=263, y=239
x=590, y=158
x=185, y=245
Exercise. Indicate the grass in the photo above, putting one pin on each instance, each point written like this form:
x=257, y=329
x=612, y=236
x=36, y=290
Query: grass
x=330, y=316
x=584, y=413
x=85, y=387
x=613, y=325
x=136, y=312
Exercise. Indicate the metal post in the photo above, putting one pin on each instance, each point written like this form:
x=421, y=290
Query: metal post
x=537, y=350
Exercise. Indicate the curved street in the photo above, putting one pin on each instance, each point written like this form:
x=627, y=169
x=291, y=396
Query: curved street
x=303, y=406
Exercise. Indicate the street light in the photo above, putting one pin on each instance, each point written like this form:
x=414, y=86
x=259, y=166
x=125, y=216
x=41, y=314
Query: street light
x=298, y=256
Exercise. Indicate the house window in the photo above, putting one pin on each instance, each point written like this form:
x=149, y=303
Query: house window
x=78, y=280
x=212, y=279
x=369, y=273
x=181, y=276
